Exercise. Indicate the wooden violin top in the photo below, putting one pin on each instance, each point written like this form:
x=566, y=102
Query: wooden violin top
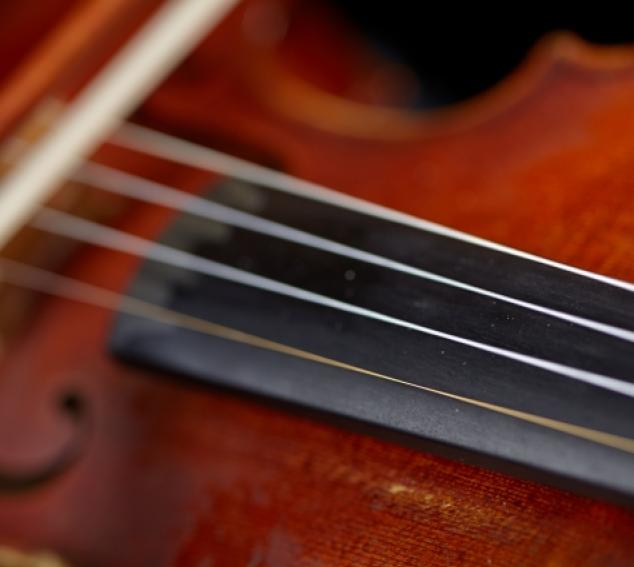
x=108, y=463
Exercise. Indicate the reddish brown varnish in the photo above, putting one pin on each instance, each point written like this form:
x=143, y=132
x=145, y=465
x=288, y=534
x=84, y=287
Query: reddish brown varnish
x=177, y=474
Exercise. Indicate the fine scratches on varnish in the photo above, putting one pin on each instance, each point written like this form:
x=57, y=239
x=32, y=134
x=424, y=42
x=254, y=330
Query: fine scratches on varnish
x=179, y=474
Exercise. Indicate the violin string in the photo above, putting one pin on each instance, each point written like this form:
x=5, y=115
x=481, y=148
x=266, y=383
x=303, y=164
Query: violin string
x=127, y=78
x=178, y=150
x=182, y=151
x=43, y=281
x=139, y=188
x=80, y=229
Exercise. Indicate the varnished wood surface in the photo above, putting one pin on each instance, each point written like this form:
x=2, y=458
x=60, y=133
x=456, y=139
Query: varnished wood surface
x=175, y=474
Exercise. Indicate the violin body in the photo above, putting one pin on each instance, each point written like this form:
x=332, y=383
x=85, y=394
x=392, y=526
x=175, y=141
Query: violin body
x=172, y=472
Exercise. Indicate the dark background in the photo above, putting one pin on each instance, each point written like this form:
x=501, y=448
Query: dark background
x=459, y=50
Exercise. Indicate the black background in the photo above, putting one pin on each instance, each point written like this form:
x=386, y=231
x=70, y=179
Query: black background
x=458, y=50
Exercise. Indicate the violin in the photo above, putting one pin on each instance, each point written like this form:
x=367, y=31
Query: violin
x=256, y=311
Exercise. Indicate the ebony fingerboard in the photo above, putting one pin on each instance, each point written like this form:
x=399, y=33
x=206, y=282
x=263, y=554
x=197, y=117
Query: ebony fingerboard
x=449, y=343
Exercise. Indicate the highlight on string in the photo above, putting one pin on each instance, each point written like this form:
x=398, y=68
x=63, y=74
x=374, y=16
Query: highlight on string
x=36, y=279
